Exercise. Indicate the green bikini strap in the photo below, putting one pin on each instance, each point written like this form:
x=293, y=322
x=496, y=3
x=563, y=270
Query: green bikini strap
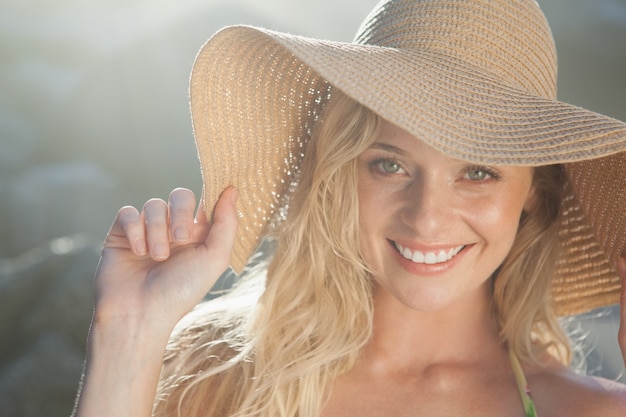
x=522, y=385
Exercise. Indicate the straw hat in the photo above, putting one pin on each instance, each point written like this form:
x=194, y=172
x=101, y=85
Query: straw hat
x=475, y=79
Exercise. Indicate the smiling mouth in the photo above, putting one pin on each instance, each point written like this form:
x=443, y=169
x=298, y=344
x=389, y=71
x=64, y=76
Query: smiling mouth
x=428, y=258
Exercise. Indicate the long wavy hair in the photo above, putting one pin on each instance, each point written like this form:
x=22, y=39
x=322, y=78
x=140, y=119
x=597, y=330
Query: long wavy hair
x=521, y=287
x=275, y=345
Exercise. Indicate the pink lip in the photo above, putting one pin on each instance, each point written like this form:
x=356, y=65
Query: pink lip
x=426, y=269
x=423, y=247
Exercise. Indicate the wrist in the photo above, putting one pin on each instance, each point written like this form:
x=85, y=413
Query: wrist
x=125, y=323
x=124, y=360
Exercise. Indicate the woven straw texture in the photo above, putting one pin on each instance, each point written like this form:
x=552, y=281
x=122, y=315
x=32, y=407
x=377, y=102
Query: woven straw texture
x=474, y=79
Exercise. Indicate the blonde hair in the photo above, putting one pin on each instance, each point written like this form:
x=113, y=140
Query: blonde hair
x=281, y=355
x=521, y=291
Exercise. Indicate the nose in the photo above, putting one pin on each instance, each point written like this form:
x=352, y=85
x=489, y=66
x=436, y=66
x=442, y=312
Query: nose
x=428, y=207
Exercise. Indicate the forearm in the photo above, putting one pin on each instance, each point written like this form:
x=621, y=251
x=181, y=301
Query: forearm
x=121, y=372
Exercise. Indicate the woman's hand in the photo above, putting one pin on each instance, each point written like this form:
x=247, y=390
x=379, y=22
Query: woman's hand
x=621, y=270
x=157, y=264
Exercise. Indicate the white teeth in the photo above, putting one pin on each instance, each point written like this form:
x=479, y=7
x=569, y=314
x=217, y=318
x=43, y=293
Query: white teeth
x=428, y=258
x=416, y=257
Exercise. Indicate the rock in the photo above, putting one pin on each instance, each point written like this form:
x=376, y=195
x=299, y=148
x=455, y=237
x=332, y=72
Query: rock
x=46, y=296
x=42, y=380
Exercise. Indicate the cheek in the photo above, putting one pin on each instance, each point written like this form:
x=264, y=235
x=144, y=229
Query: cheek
x=497, y=220
x=372, y=202
x=368, y=209
x=374, y=215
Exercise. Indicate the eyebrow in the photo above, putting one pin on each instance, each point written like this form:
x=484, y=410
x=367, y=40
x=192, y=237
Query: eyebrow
x=389, y=148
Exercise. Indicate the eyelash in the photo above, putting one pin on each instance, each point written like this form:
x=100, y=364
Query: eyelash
x=491, y=173
x=377, y=164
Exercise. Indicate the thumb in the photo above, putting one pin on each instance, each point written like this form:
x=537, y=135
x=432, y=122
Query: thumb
x=221, y=237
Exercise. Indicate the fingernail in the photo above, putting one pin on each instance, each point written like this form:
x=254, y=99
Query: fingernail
x=159, y=250
x=182, y=233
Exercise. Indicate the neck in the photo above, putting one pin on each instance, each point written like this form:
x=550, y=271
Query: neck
x=403, y=338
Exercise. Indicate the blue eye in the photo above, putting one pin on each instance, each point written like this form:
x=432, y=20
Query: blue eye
x=480, y=173
x=389, y=166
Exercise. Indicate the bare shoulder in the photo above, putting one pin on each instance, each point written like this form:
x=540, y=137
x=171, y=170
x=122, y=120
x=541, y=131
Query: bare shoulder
x=558, y=391
x=603, y=397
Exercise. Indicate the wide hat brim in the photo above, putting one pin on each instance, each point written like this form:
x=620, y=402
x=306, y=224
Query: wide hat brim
x=255, y=95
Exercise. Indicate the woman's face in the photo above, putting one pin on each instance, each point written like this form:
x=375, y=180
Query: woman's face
x=434, y=228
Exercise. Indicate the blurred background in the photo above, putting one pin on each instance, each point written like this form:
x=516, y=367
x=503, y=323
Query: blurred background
x=94, y=115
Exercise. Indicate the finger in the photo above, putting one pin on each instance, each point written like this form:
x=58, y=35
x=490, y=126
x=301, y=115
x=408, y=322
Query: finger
x=155, y=214
x=201, y=224
x=221, y=236
x=201, y=217
x=182, y=204
x=129, y=228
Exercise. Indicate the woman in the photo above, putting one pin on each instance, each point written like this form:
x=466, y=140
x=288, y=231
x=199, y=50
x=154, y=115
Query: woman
x=444, y=212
